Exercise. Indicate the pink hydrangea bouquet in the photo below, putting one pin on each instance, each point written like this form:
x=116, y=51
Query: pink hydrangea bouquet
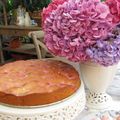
x=83, y=30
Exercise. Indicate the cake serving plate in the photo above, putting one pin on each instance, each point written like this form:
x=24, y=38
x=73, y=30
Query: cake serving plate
x=66, y=109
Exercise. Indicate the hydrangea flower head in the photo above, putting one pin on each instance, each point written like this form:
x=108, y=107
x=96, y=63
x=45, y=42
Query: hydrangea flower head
x=106, y=52
x=74, y=26
x=114, y=6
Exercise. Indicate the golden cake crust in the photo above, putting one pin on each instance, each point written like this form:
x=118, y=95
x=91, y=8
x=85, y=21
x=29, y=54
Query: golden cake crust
x=37, y=82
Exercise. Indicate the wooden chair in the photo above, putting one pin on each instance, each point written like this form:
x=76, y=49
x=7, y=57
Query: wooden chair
x=41, y=49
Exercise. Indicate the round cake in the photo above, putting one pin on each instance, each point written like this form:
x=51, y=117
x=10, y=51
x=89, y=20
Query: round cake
x=37, y=82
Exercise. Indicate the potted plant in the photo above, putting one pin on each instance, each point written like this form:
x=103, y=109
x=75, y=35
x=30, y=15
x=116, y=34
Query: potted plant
x=86, y=31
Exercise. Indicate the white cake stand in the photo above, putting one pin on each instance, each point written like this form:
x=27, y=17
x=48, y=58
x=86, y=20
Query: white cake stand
x=66, y=109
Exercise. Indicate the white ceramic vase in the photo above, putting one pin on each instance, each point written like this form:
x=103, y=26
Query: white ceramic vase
x=27, y=19
x=20, y=21
x=97, y=78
